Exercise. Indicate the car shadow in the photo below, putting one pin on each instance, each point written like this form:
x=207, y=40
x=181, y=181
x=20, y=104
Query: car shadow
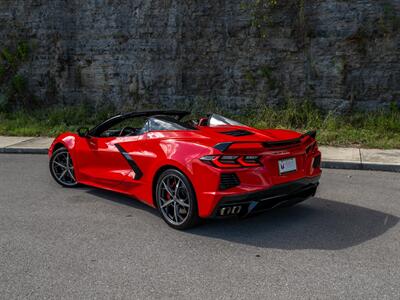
x=315, y=224
x=120, y=199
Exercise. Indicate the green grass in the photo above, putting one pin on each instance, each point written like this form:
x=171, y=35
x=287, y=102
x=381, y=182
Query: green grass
x=379, y=129
x=50, y=122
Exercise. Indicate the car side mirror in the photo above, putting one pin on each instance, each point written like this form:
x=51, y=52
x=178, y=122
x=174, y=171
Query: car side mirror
x=83, y=132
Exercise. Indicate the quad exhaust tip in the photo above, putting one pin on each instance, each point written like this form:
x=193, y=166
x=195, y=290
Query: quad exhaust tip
x=230, y=210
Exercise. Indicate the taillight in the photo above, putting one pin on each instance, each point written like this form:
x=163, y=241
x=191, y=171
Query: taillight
x=312, y=148
x=229, y=160
x=232, y=161
x=207, y=158
x=250, y=160
x=317, y=162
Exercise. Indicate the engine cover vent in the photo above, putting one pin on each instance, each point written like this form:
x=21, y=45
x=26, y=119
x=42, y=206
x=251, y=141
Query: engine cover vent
x=238, y=132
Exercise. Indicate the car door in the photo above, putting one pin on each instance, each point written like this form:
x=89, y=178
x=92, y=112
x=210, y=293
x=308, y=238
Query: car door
x=104, y=162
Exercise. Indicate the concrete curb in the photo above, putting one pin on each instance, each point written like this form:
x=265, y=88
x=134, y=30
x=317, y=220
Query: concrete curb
x=347, y=165
x=24, y=150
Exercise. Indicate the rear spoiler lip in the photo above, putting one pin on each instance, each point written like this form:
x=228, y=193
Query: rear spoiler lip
x=224, y=146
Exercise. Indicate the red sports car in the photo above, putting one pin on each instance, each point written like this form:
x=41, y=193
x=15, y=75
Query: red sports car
x=193, y=169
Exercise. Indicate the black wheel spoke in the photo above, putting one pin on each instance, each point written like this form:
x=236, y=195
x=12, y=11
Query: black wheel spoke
x=63, y=169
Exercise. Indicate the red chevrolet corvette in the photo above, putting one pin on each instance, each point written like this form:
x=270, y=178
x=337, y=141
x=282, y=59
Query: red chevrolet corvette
x=193, y=169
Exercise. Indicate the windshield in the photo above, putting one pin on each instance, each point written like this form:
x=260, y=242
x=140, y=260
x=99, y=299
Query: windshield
x=218, y=120
x=168, y=123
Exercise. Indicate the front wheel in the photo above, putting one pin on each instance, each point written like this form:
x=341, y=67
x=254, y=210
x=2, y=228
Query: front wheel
x=62, y=168
x=176, y=200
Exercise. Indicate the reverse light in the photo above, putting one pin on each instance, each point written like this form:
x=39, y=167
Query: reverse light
x=228, y=159
x=251, y=158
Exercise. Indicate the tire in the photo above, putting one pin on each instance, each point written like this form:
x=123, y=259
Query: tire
x=176, y=200
x=62, y=174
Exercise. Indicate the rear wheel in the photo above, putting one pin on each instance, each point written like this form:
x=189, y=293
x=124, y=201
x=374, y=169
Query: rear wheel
x=176, y=200
x=62, y=168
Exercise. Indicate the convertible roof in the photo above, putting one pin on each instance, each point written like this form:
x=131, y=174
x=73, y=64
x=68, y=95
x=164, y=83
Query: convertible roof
x=121, y=117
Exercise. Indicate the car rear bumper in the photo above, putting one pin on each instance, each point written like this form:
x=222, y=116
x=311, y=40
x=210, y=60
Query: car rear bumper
x=276, y=196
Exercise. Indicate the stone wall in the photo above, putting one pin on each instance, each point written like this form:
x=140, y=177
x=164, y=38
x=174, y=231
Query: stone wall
x=338, y=53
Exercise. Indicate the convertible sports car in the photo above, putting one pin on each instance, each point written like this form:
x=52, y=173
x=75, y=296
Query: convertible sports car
x=193, y=169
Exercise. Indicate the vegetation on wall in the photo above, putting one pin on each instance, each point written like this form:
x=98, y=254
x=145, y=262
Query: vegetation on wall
x=260, y=11
x=389, y=22
x=14, y=93
x=387, y=25
x=366, y=37
x=261, y=17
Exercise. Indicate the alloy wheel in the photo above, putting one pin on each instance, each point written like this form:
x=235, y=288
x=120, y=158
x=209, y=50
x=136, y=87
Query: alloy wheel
x=173, y=199
x=63, y=169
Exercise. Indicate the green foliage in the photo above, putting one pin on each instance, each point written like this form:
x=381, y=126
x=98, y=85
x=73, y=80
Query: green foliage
x=389, y=21
x=261, y=14
x=8, y=57
x=18, y=84
x=294, y=115
x=250, y=78
x=13, y=85
x=2, y=71
x=387, y=25
x=51, y=121
x=263, y=73
x=260, y=11
x=23, y=51
x=361, y=39
x=379, y=129
x=266, y=73
x=3, y=102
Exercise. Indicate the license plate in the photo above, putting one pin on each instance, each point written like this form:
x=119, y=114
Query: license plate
x=287, y=165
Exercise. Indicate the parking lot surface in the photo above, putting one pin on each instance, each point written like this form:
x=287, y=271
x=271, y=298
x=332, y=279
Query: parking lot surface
x=88, y=243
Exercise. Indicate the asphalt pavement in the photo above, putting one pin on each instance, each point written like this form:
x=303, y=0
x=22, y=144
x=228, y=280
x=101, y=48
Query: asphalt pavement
x=86, y=243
